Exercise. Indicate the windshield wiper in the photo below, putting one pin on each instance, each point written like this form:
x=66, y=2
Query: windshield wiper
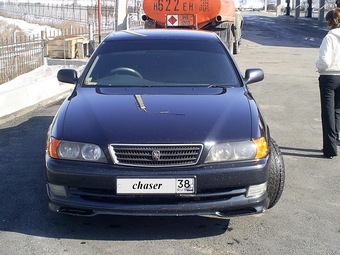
x=219, y=86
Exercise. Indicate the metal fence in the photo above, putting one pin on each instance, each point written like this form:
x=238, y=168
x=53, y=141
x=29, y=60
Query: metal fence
x=56, y=15
x=60, y=14
x=22, y=54
x=19, y=55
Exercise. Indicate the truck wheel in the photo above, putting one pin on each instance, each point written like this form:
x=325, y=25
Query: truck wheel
x=223, y=35
x=236, y=48
x=276, y=178
x=226, y=35
x=230, y=37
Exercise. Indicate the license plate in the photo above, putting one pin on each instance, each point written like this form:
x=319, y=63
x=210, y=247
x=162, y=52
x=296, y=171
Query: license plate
x=156, y=186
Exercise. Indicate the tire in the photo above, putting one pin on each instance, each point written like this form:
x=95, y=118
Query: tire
x=223, y=35
x=276, y=178
x=236, y=47
x=230, y=37
x=226, y=35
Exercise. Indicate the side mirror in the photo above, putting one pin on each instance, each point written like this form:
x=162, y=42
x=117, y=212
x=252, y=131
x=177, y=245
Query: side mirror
x=67, y=75
x=253, y=75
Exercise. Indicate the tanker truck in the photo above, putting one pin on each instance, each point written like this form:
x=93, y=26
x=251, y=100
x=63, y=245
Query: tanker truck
x=219, y=16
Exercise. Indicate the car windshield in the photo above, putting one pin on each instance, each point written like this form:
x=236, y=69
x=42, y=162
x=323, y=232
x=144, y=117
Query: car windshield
x=162, y=63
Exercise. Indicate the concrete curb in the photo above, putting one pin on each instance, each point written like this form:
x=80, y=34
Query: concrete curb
x=35, y=88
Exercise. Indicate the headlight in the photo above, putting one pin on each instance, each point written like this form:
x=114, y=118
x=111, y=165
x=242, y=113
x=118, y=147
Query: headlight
x=75, y=151
x=68, y=150
x=241, y=150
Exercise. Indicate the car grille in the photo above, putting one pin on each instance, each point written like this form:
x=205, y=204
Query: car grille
x=110, y=196
x=155, y=155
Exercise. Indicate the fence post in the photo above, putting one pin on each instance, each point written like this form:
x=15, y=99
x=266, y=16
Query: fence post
x=90, y=47
x=44, y=45
x=15, y=53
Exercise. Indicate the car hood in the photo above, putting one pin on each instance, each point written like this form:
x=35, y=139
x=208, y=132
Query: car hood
x=157, y=115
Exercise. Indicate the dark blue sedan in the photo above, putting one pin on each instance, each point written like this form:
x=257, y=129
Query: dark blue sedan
x=161, y=122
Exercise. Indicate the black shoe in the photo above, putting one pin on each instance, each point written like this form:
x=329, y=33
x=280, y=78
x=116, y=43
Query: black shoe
x=329, y=157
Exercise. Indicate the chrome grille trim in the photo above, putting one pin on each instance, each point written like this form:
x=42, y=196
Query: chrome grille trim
x=165, y=155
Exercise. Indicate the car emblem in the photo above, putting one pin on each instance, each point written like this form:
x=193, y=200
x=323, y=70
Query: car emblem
x=156, y=155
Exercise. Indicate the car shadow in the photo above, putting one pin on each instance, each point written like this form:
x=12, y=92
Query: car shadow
x=109, y=227
x=301, y=152
x=23, y=197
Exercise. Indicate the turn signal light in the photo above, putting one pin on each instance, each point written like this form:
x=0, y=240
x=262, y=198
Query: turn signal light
x=52, y=146
x=262, y=147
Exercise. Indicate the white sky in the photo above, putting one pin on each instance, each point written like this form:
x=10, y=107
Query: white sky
x=81, y=2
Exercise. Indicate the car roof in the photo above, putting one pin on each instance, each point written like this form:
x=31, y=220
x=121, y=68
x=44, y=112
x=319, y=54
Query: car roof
x=147, y=34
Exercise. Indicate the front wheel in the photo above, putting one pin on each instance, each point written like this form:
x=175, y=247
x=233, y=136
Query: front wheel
x=276, y=178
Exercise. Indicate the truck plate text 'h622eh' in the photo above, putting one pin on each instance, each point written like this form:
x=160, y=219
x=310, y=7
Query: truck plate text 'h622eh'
x=215, y=15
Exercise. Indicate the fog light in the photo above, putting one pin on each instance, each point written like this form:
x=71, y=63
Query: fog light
x=58, y=190
x=256, y=190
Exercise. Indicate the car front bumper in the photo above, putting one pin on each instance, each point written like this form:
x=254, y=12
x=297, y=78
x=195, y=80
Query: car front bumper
x=90, y=189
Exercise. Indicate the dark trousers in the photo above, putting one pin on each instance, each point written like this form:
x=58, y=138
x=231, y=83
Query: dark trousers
x=330, y=112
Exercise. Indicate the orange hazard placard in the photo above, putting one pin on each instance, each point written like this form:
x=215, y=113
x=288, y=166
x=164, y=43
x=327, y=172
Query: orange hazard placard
x=180, y=20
